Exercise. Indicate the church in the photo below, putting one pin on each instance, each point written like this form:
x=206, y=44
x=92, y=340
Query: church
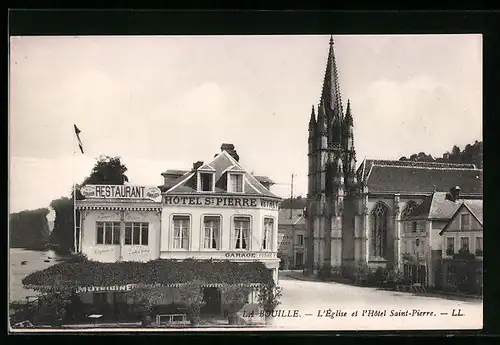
x=354, y=213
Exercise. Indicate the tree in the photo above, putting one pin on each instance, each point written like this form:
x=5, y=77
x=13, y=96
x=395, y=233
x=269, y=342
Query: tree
x=269, y=297
x=29, y=229
x=192, y=296
x=107, y=170
x=145, y=299
x=234, y=298
x=472, y=154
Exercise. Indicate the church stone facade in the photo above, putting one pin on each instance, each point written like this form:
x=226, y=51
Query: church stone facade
x=354, y=215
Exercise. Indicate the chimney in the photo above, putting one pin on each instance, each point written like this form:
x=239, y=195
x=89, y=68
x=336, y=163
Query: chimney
x=196, y=165
x=455, y=193
x=446, y=156
x=229, y=148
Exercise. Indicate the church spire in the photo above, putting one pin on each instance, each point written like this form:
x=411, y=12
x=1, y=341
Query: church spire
x=350, y=153
x=331, y=90
x=312, y=120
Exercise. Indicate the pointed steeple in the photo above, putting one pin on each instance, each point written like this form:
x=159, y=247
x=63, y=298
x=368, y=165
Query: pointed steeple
x=331, y=90
x=312, y=120
x=348, y=128
x=321, y=123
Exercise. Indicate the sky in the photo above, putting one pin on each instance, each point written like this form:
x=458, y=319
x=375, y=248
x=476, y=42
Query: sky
x=164, y=102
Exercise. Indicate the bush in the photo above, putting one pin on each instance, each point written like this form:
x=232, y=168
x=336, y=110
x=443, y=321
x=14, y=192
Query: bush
x=361, y=274
x=191, y=294
x=269, y=297
x=394, y=278
x=234, y=297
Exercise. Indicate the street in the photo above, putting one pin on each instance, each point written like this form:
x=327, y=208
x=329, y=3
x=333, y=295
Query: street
x=332, y=306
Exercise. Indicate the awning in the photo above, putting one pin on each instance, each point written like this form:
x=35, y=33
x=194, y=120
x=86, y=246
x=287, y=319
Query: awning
x=85, y=275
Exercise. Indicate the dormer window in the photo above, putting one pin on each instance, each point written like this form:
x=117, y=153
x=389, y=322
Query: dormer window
x=235, y=184
x=206, y=181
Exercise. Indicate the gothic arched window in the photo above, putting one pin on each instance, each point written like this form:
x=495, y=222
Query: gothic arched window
x=409, y=208
x=379, y=221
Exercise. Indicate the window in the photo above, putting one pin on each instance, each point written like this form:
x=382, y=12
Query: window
x=212, y=232
x=479, y=245
x=465, y=222
x=379, y=222
x=464, y=243
x=241, y=232
x=268, y=230
x=450, y=246
x=100, y=297
x=136, y=234
x=300, y=240
x=407, y=212
x=120, y=297
x=181, y=232
x=108, y=233
x=207, y=180
x=236, y=183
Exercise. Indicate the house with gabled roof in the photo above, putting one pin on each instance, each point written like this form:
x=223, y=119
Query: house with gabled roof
x=432, y=230
x=220, y=211
x=464, y=231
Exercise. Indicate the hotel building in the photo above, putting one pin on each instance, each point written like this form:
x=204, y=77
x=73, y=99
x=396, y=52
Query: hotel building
x=219, y=211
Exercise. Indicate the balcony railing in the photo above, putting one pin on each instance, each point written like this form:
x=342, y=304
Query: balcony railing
x=479, y=252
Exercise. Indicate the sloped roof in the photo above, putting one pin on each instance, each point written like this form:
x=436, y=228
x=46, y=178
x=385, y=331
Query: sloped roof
x=85, y=273
x=437, y=206
x=296, y=203
x=296, y=218
x=263, y=179
x=475, y=207
x=222, y=163
x=419, y=177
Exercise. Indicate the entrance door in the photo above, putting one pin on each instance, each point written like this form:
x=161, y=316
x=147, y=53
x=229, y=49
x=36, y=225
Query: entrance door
x=212, y=299
x=299, y=260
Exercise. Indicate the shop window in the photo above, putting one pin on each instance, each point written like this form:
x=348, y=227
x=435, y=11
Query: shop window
x=465, y=222
x=236, y=183
x=212, y=232
x=268, y=230
x=120, y=297
x=241, y=232
x=100, y=297
x=181, y=231
x=108, y=233
x=137, y=234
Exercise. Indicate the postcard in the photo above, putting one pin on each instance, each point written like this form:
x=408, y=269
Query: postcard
x=194, y=183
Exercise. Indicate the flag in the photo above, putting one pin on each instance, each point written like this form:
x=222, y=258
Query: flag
x=77, y=133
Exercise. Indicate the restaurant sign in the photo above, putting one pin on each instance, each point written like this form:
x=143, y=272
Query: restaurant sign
x=221, y=201
x=121, y=192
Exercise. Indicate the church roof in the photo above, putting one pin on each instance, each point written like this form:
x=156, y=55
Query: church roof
x=419, y=177
x=221, y=165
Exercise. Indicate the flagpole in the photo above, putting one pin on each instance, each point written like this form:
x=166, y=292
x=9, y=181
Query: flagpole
x=74, y=194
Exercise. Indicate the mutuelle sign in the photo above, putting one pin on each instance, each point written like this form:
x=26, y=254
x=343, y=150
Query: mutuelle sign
x=121, y=192
x=221, y=201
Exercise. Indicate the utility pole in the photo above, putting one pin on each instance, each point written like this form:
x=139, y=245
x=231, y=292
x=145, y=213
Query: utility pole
x=291, y=198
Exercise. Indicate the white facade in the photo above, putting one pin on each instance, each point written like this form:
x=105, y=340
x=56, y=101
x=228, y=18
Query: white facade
x=120, y=228
x=215, y=232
